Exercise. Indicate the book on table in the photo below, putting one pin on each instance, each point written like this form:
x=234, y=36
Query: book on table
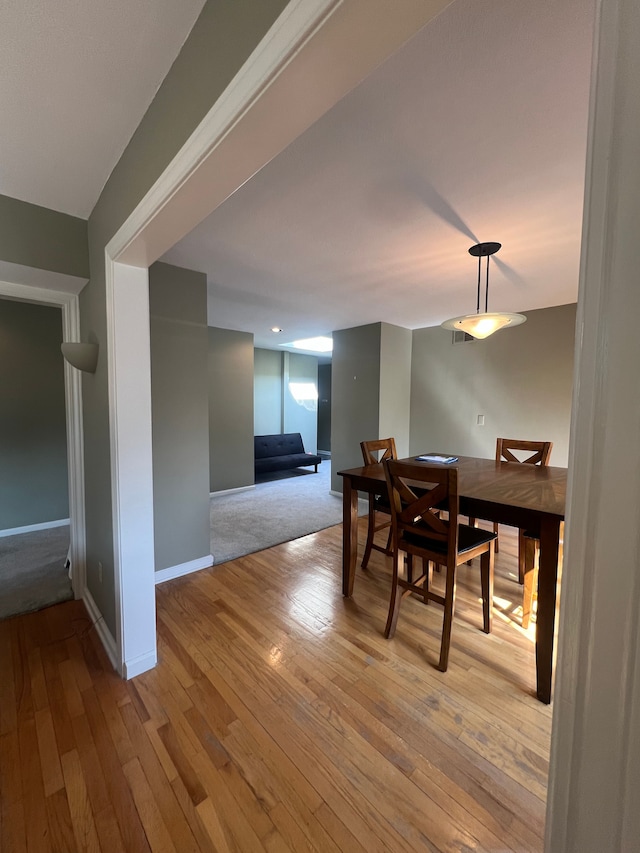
x=437, y=457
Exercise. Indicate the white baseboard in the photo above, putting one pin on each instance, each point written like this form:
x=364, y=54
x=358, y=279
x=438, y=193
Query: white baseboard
x=184, y=569
x=31, y=528
x=231, y=491
x=130, y=668
x=104, y=633
x=141, y=664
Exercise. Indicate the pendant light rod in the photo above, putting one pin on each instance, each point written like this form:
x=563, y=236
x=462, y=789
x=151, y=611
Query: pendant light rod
x=479, y=251
x=486, y=288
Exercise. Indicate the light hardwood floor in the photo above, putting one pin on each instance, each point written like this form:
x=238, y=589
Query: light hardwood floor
x=278, y=719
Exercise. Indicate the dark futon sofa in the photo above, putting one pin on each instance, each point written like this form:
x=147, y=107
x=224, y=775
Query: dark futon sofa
x=281, y=452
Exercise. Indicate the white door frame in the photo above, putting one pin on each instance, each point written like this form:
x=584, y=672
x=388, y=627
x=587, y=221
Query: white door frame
x=69, y=304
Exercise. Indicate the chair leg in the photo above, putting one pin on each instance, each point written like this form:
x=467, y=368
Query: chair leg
x=486, y=580
x=389, y=537
x=473, y=522
x=530, y=578
x=521, y=552
x=449, y=607
x=371, y=524
x=497, y=543
x=394, y=603
x=427, y=568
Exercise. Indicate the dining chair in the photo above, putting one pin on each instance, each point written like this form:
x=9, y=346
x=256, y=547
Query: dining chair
x=535, y=453
x=417, y=494
x=539, y=451
x=377, y=450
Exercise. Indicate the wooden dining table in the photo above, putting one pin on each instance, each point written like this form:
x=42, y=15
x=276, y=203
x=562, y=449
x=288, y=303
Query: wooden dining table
x=530, y=497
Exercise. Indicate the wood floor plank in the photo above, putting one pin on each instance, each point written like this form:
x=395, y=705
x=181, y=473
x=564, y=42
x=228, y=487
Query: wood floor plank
x=59, y=711
x=32, y=788
x=84, y=827
x=110, y=758
x=278, y=719
x=60, y=825
x=38, y=683
x=180, y=828
x=49, y=755
x=155, y=828
x=13, y=833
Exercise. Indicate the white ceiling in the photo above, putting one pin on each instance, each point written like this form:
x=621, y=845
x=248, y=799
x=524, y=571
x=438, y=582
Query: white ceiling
x=76, y=77
x=474, y=131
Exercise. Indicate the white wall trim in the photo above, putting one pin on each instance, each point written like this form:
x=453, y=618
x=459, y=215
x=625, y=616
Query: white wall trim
x=32, y=528
x=75, y=453
x=97, y=620
x=138, y=665
x=31, y=293
x=224, y=492
x=178, y=571
x=69, y=303
x=129, y=370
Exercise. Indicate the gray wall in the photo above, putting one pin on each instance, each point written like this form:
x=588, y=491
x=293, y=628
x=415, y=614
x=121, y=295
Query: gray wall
x=35, y=236
x=178, y=309
x=355, y=395
x=395, y=385
x=324, y=407
x=230, y=378
x=33, y=441
x=267, y=392
x=223, y=37
x=520, y=379
x=371, y=369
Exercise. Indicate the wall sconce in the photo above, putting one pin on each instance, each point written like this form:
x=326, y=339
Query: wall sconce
x=81, y=356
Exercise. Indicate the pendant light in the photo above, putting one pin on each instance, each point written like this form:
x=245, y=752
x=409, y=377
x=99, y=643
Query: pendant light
x=481, y=325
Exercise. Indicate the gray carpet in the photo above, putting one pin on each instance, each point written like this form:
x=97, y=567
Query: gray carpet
x=282, y=507
x=32, y=571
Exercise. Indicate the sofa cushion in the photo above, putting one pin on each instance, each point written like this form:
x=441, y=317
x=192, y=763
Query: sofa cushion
x=282, y=463
x=278, y=445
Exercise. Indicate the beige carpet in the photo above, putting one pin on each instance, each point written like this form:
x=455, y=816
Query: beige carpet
x=279, y=509
x=32, y=571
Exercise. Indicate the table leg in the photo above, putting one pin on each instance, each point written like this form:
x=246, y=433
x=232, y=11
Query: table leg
x=545, y=626
x=349, y=536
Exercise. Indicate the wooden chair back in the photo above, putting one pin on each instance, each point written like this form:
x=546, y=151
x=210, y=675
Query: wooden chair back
x=540, y=451
x=417, y=494
x=377, y=450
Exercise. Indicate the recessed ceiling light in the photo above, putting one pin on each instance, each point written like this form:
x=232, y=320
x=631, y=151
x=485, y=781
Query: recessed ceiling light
x=320, y=344
x=275, y=329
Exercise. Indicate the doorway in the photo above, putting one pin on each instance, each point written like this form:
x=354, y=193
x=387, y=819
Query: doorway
x=34, y=489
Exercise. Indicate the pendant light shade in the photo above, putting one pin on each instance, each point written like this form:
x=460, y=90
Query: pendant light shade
x=482, y=324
